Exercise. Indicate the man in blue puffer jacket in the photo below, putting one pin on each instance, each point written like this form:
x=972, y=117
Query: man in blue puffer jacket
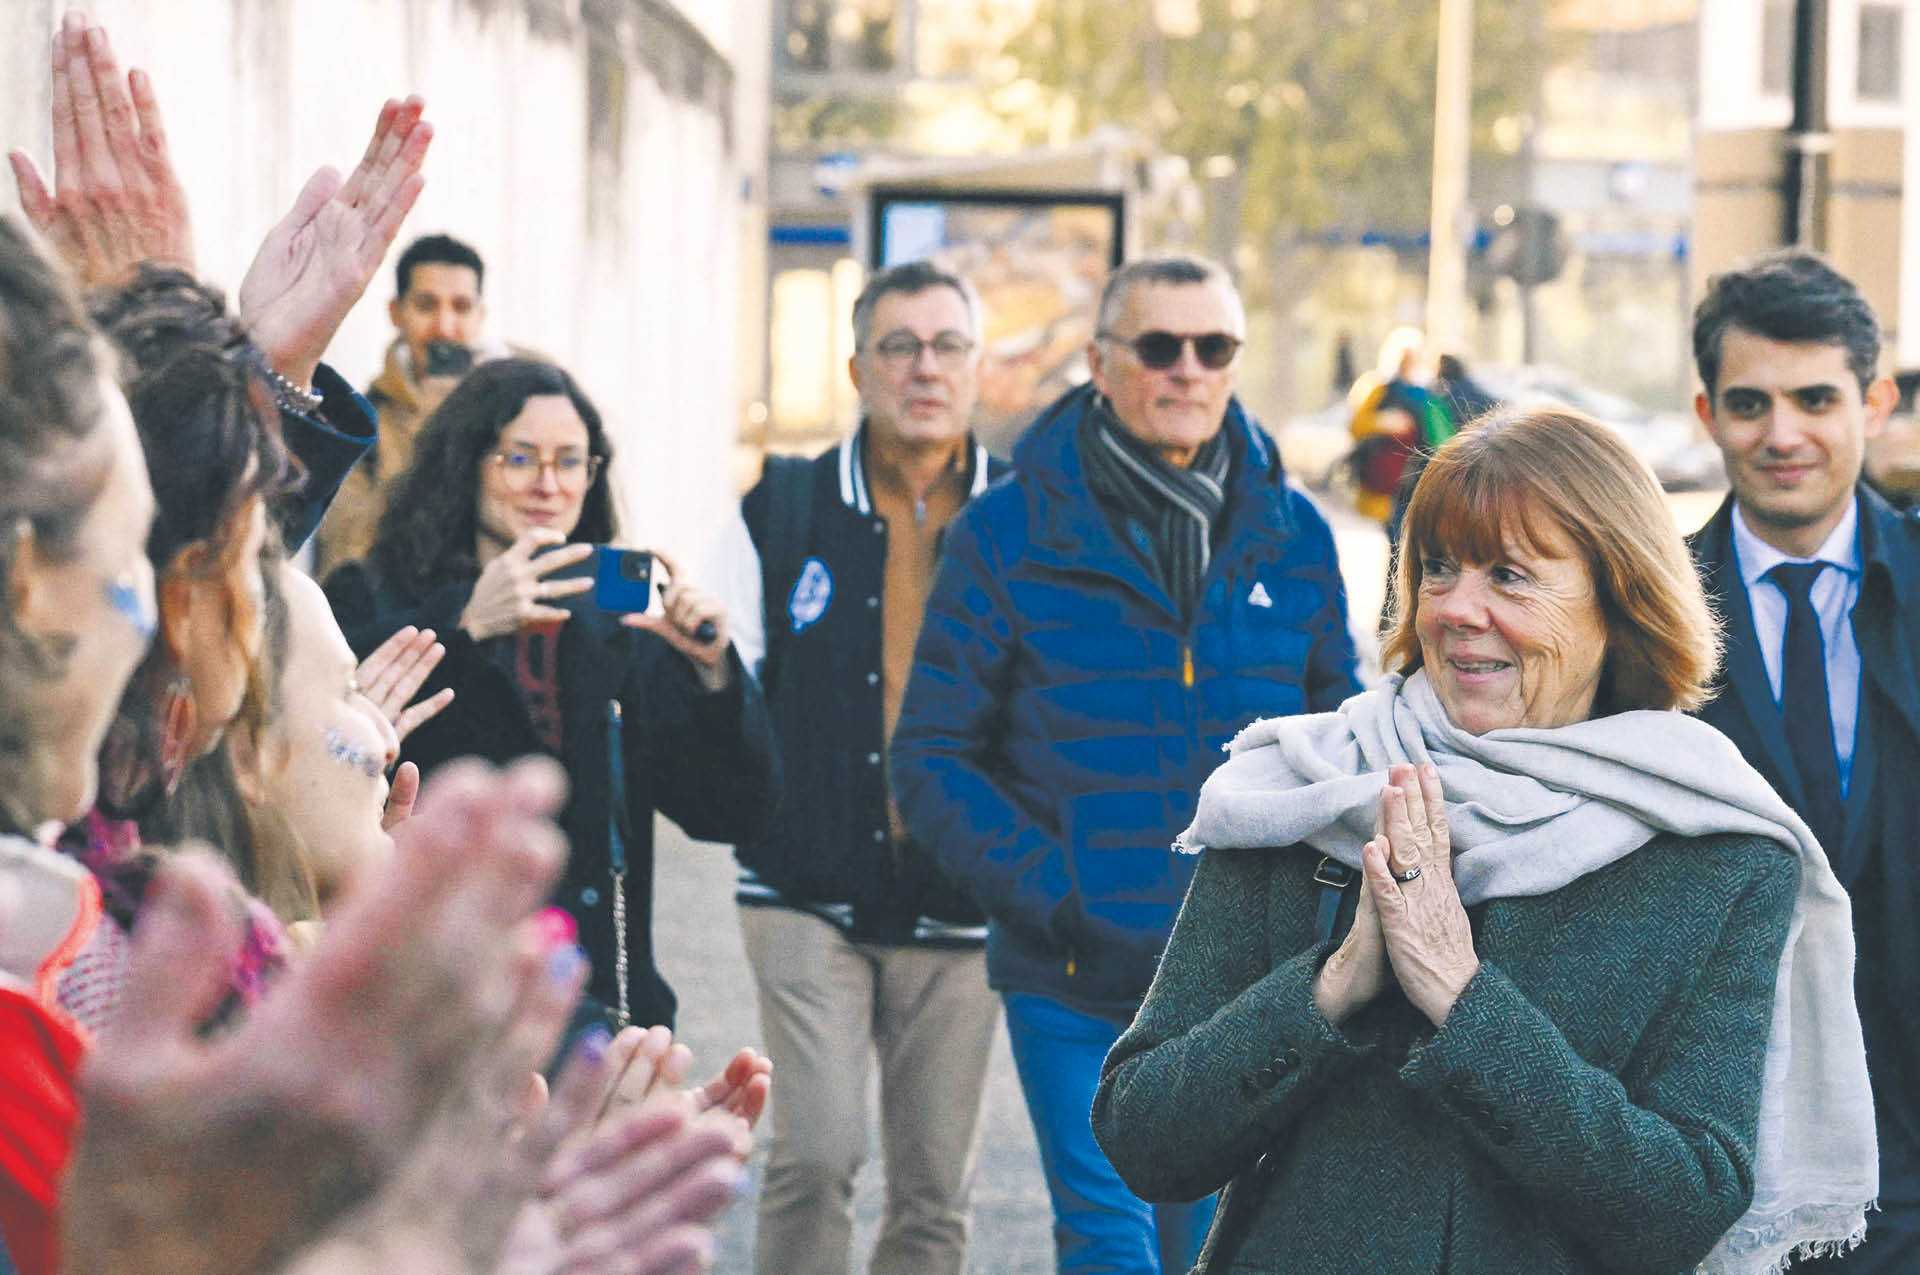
x=1145, y=584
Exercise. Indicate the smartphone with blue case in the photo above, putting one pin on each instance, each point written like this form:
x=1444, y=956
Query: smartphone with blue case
x=622, y=579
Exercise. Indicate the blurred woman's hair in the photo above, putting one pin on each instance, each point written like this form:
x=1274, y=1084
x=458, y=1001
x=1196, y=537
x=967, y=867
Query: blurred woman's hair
x=207, y=420
x=52, y=466
x=211, y=804
x=1533, y=478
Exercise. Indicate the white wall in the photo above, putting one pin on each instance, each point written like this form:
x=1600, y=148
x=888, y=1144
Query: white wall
x=625, y=268
x=1730, y=43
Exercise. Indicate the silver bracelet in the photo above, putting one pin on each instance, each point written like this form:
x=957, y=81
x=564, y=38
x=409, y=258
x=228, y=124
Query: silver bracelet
x=301, y=400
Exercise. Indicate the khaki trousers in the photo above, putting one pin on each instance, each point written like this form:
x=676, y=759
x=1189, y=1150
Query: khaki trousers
x=828, y=1006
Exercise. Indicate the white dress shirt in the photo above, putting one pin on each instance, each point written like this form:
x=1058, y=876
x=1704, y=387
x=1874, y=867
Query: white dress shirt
x=1834, y=593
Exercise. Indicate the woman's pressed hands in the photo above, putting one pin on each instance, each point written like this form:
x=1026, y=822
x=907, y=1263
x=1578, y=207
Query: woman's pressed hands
x=1429, y=940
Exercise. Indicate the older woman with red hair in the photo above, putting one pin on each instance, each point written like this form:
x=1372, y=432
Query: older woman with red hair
x=1508, y=964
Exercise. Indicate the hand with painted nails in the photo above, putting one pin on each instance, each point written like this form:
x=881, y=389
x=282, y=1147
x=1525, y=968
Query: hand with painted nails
x=647, y=1063
x=1409, y=876
x=316, y=263
x=693, y=622
x=201, y=1156
x=116, y=200
x=513, y=591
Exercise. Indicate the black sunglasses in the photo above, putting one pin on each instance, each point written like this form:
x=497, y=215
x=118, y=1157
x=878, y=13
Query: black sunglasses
x=1161, y=350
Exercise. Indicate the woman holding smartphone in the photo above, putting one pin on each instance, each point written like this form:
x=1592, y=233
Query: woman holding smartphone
x=489, y=539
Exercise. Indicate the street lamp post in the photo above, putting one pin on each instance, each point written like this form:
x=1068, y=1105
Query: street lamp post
x=1809, y=144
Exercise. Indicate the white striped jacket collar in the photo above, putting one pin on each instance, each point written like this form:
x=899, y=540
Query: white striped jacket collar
x=853, y=474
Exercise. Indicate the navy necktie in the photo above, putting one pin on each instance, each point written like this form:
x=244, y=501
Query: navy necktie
x=1804, y=706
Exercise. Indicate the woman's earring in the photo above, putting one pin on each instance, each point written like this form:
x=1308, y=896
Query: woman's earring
x=177, y=720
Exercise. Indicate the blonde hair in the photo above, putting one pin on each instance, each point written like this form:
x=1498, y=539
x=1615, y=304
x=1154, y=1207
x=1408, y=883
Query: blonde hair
x=1516, y=474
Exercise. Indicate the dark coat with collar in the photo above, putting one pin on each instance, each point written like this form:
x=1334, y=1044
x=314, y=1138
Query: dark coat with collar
x=1589, y=1105
x=705, y=760
x=830, y=848
x=1062, y=714
x=1879, y=863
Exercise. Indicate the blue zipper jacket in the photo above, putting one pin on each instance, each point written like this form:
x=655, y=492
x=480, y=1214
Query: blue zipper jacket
x=1062, y=715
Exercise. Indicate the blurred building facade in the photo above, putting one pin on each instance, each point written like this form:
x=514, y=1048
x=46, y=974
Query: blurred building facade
x=891, y=95
x=606, y=157
x=1869, y=218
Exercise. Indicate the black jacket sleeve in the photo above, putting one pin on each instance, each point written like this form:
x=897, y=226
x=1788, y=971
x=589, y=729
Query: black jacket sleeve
x=369, y=613
x=328, y=445
x=709, y=756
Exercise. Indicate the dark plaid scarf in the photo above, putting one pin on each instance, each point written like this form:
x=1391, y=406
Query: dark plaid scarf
x=1171, y=511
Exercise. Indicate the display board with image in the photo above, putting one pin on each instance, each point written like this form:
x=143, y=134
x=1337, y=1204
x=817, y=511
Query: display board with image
x=1038, y=259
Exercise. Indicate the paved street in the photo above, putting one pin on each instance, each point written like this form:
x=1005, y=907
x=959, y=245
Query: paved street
x=698, y=937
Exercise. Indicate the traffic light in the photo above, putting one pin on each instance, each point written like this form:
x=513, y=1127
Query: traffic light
x=1531, y=249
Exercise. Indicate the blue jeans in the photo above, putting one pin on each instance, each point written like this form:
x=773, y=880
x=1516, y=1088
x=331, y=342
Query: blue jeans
x=1099, y=1226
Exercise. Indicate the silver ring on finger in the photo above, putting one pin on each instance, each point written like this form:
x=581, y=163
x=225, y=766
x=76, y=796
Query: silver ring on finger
x=1411, y=874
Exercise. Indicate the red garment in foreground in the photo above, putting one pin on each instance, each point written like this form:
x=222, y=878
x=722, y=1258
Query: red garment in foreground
x=40, y=1053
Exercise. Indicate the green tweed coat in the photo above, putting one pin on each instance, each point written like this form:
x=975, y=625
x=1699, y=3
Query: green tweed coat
x=1588, y=1105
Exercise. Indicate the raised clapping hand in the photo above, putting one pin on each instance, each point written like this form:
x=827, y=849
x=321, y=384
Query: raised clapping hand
x=508, y=1182
x=1422, y=926
x=200, y=1156
x=684, y=609
x=645, y=1064
x=390, y=677
x=315, y=264
x=396, y=671
x=116, y=201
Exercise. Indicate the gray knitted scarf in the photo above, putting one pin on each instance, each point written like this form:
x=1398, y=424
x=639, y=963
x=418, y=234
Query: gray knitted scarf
x=1530, y=810
x=1176, y=508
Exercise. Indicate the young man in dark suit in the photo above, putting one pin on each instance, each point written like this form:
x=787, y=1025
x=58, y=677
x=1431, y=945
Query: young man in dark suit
x=1818, y=580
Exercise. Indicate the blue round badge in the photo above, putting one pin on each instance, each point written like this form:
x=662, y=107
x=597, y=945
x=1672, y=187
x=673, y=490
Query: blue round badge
x=812, y=594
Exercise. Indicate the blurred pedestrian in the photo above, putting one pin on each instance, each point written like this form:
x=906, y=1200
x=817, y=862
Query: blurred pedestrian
x=1144, y=585
x=859, y=945
x=1508, y=965
x=1393, y=417
x=1462, y=396
x=439, y=315
x=1343, y=368
x=1820, y=583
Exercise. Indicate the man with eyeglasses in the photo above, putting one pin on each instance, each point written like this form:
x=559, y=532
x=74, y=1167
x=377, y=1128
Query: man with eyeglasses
x=1146, y=585
x=859, y=947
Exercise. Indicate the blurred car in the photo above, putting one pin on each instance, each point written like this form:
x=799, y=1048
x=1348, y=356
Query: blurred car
x=1673, y=444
